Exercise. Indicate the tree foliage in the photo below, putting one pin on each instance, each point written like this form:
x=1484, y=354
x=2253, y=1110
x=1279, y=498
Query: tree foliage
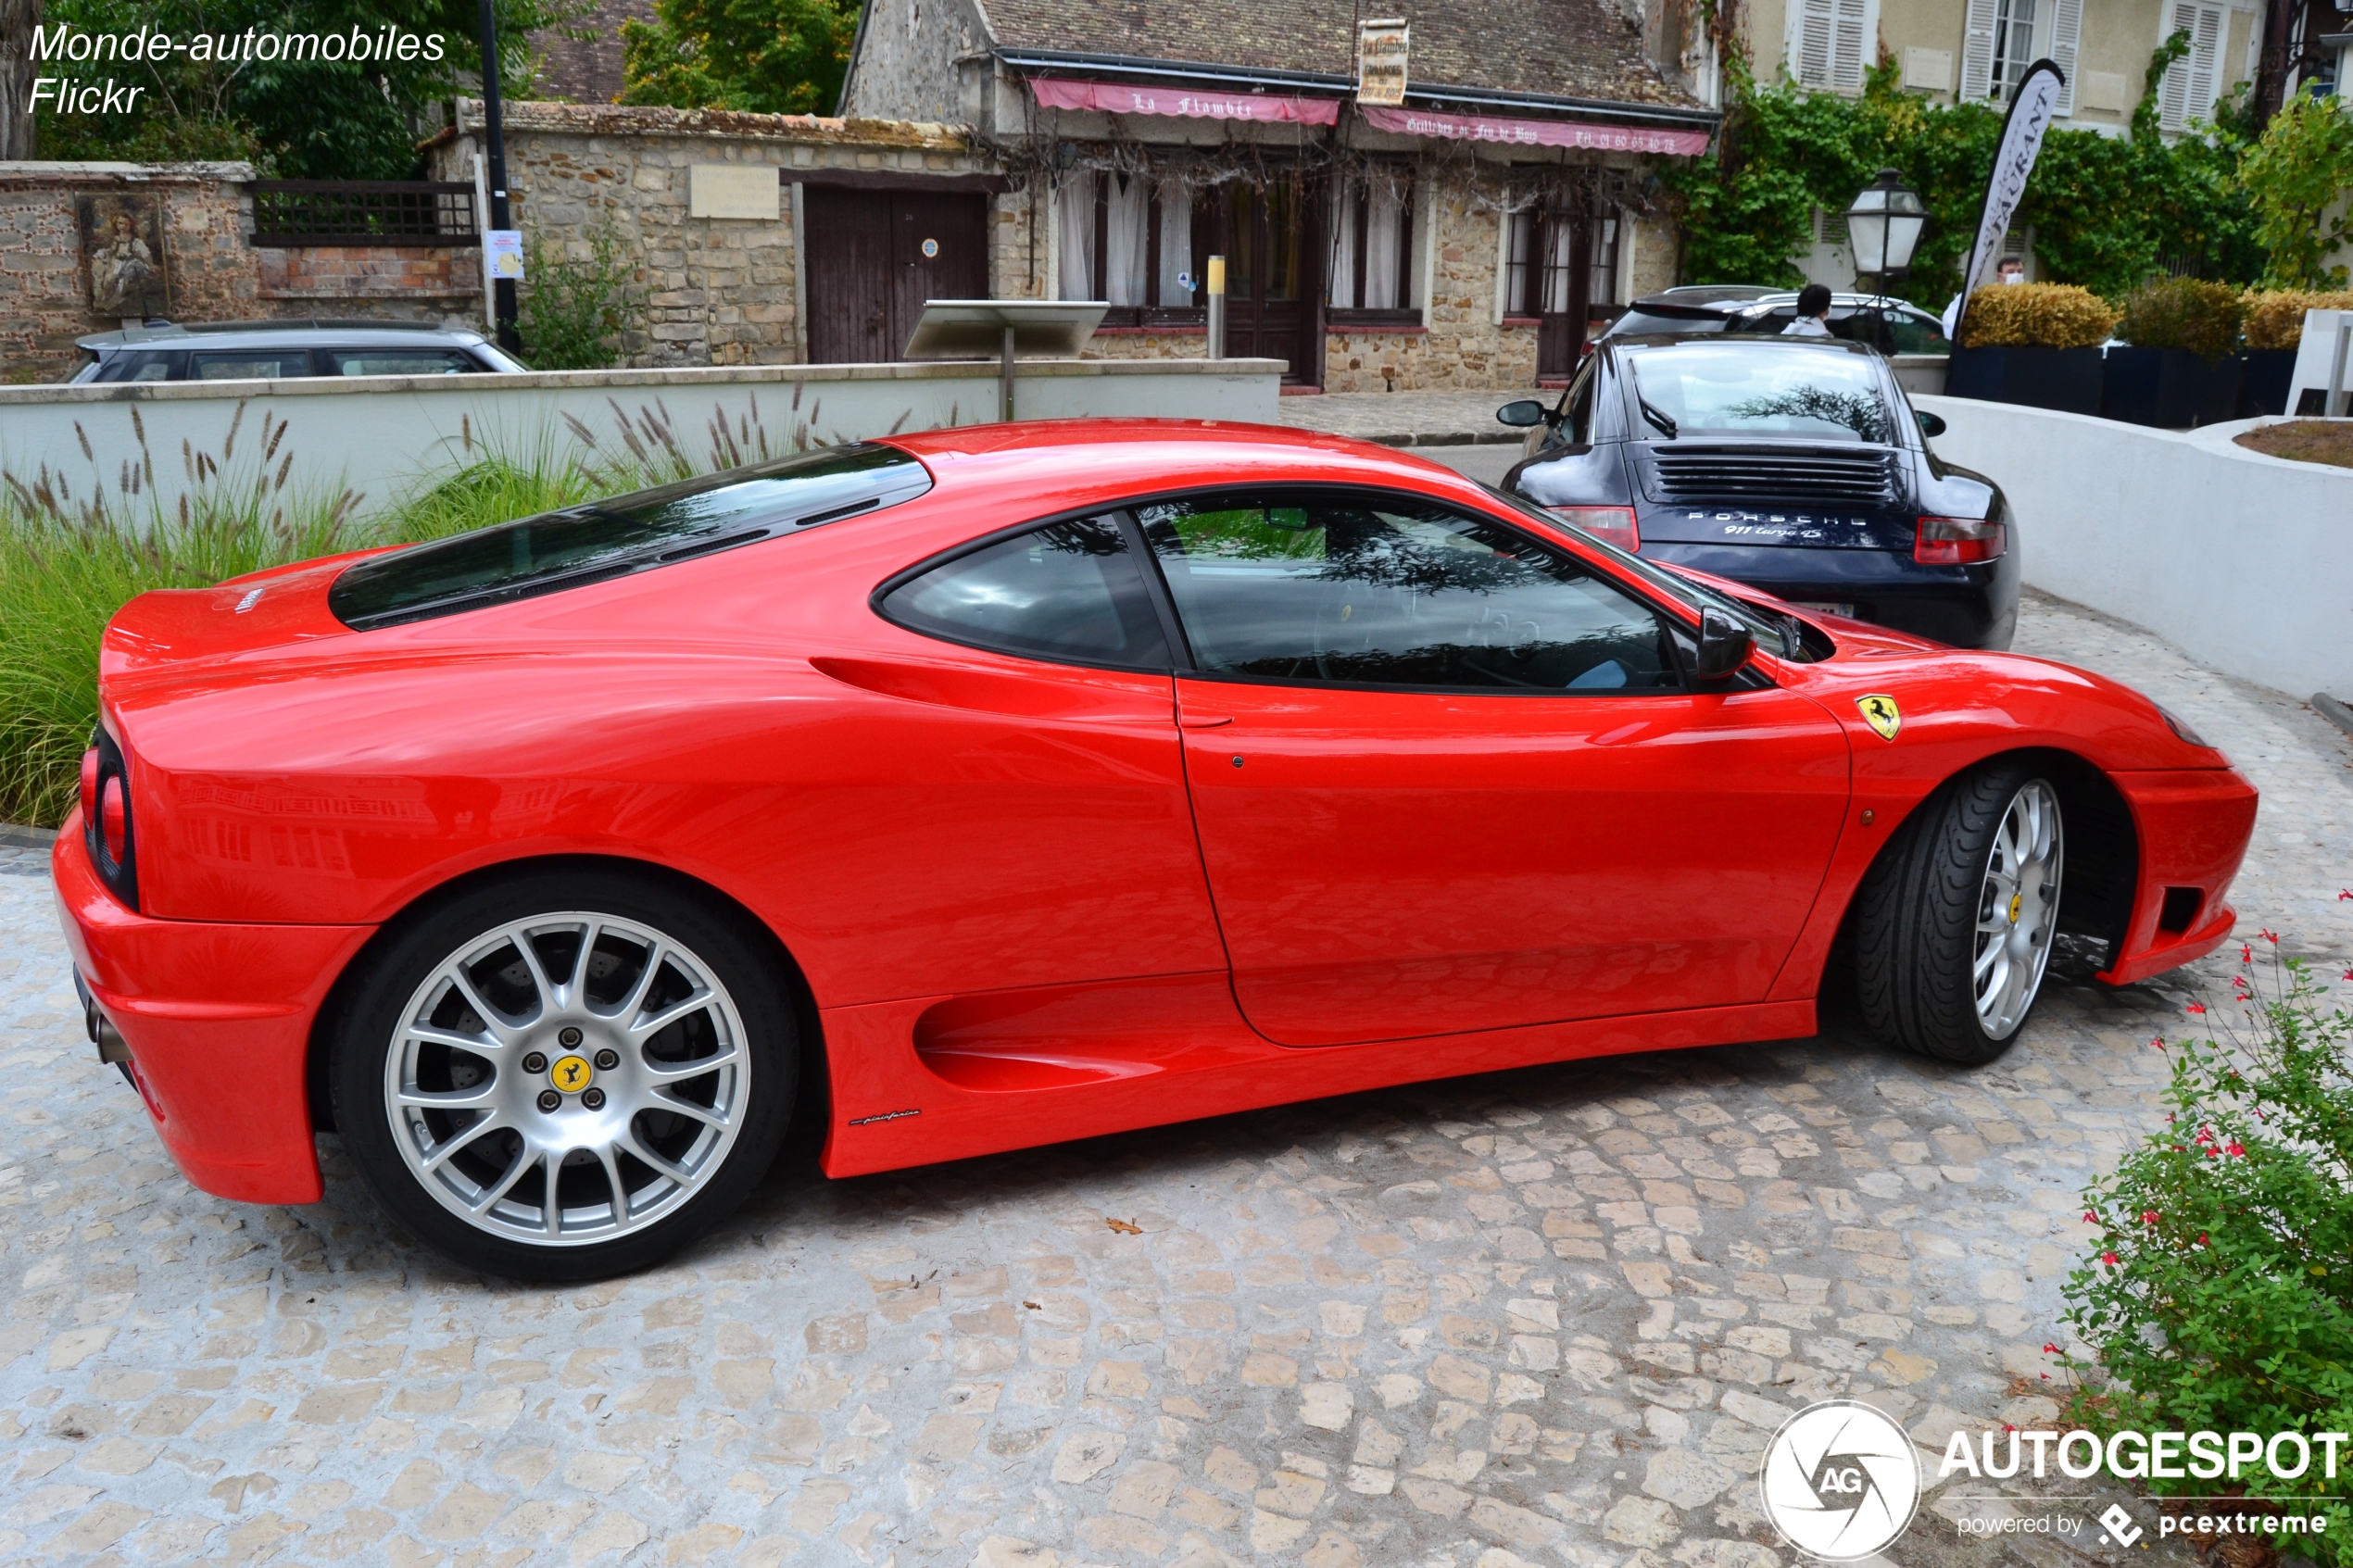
x=762, y=56
x=2103, y=209
x=312, y=119
x=2297, y=175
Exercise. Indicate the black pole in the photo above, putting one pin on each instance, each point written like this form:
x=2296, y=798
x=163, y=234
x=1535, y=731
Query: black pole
x=494, y=135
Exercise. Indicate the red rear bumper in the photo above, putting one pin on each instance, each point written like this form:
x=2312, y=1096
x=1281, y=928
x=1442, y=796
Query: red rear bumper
x=218, y=1021
x=2194, y=828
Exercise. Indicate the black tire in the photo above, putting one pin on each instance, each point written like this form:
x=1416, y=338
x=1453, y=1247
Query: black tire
x=1917, y=914
x=757, y=1086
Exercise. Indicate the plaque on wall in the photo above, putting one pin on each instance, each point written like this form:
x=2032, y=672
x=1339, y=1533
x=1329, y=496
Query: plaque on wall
x=122, y=244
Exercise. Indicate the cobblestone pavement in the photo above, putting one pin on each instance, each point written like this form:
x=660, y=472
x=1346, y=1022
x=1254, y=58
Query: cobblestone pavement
x=1544, y=1317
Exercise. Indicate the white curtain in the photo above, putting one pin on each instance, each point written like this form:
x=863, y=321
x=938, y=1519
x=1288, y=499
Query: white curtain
x=1124, y=255
x=1075, y=234
x=1559, y=239
x=1385, y=284
x=1343, y=233
x=1176, y=244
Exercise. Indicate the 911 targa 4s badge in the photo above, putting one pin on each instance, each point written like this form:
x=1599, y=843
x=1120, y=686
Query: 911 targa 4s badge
x=988, y=773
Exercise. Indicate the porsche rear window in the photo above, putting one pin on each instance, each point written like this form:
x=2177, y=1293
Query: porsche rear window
x=628, y=534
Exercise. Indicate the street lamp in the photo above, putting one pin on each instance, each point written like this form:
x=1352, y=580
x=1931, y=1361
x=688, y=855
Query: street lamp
x=1883, y=226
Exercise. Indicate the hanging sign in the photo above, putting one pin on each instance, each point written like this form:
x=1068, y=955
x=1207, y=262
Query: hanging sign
x=1183, y=103
x=1539, y=132
x=1380, y=62
x=2032, y=107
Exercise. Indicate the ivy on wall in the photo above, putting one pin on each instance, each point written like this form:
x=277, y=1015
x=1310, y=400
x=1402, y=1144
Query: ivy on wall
x=2106, y=211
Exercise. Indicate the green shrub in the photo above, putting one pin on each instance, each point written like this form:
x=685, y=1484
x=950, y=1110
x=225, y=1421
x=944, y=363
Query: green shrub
x=2036, y=316
x=2222, y=1296
x=2275, y=317
x=577, y=303
x=2296, y=177
x=2183, y=313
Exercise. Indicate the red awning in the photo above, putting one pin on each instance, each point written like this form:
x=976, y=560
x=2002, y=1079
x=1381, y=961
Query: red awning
x=1184, y=103
x=1539, y=132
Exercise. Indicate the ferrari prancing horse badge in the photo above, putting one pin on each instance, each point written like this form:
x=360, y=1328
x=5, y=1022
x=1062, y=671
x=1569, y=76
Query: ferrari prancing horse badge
x=1880, y=712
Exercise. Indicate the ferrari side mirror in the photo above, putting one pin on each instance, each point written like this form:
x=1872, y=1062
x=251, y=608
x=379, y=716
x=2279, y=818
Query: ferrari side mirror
x=1524, y=414
x=1724, y=647
x=1931, y=424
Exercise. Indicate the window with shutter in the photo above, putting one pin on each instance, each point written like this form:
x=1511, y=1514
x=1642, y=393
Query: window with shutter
x=2189, y=88
x=2067, y=36
x=1976, y=50
x=1831, y=41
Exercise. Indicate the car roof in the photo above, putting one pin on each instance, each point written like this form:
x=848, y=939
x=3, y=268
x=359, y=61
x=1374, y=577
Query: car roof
x=1716, y=340
x=297, y=331
x=1728, y=301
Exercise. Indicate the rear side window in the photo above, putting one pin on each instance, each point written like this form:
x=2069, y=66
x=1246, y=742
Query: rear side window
x=150, y=365
x=1069, y=592
x=629, y=534
x=401, y=362
x=249, y=364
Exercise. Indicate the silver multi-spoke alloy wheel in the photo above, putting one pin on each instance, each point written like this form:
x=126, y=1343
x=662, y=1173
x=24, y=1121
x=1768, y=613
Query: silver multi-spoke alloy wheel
x=2018, y=909
x=567, y=1079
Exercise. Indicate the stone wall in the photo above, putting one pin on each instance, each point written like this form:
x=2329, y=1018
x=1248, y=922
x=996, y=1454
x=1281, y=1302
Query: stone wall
x=44, y=276
x=717, y=291
x=212, y=271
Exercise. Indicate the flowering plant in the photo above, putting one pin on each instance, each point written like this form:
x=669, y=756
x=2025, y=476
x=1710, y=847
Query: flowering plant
x=2220, y=1295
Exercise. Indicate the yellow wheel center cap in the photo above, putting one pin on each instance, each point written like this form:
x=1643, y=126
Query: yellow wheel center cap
x=571, y=1073
x=2018, y=902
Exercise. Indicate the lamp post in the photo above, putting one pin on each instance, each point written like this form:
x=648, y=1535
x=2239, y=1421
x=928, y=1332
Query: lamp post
x=1884, y=227
x=494, y=138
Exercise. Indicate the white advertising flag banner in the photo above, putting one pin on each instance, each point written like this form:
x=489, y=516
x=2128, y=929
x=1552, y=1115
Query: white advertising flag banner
x=2034, y=106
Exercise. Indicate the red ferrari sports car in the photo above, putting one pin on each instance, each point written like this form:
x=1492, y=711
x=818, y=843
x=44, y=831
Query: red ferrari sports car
x=1032, y=783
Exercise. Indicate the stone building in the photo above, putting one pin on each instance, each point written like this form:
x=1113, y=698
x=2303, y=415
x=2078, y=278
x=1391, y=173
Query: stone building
x=1473, y=235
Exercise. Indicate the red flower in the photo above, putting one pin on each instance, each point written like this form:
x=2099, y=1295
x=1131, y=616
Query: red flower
x=2197, y=1007
x=2110, y=1259
x=2246, y=954
x=2346, y=892
x=2201, y=1239
x=2234, y=1148
x=2149, y=1217
x=2271, y=936
x=2090, y=1218
x=2050, y=1350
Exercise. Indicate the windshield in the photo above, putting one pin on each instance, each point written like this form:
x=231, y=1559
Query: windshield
x=1761, y=389
x=589, y=543
x=1781, y=635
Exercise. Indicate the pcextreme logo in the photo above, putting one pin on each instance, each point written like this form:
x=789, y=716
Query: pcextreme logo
x=1839, y=1480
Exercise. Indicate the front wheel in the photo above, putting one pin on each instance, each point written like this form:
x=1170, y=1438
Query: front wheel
x=1955, y=922
x=565, y=1075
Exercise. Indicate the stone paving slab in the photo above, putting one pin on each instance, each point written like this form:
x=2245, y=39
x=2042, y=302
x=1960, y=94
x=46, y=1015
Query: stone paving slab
x=1543, y=1317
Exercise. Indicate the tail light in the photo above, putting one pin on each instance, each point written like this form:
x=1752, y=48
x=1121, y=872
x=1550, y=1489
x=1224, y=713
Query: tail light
x=1958, y=541
x=108, y=831
x=1612, y=525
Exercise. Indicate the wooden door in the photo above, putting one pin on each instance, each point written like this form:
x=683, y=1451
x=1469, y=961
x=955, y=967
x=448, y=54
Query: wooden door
x=1566, y=284
x=938, y=250
x=875, y=257
x=1274, y=273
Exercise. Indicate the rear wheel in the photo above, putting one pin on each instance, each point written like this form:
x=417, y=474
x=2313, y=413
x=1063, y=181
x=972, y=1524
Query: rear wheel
x=565, y=1075
x=1954, y=923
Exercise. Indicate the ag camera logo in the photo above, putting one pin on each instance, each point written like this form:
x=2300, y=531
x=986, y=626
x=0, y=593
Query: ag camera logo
x=1841, y=1481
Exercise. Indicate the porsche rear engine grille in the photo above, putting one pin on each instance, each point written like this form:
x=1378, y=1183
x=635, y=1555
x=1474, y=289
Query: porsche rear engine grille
x=1701, y=473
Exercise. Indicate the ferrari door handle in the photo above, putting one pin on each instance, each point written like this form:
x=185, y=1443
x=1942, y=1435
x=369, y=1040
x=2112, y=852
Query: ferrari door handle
x=1202, y=721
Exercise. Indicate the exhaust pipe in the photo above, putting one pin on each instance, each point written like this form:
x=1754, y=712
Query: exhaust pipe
x=113, y=1049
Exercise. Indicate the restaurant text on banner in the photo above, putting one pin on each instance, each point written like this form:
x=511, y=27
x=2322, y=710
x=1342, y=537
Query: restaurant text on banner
x=1538, y=132
x=1184, y=103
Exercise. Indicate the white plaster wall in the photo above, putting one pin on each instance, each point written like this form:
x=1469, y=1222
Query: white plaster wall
x=2244, y=561
x=385, y=436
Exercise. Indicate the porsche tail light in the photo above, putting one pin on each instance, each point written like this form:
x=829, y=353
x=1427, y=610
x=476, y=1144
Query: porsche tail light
x=108, y=832
x=1613, y=525
x=1958, y=541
